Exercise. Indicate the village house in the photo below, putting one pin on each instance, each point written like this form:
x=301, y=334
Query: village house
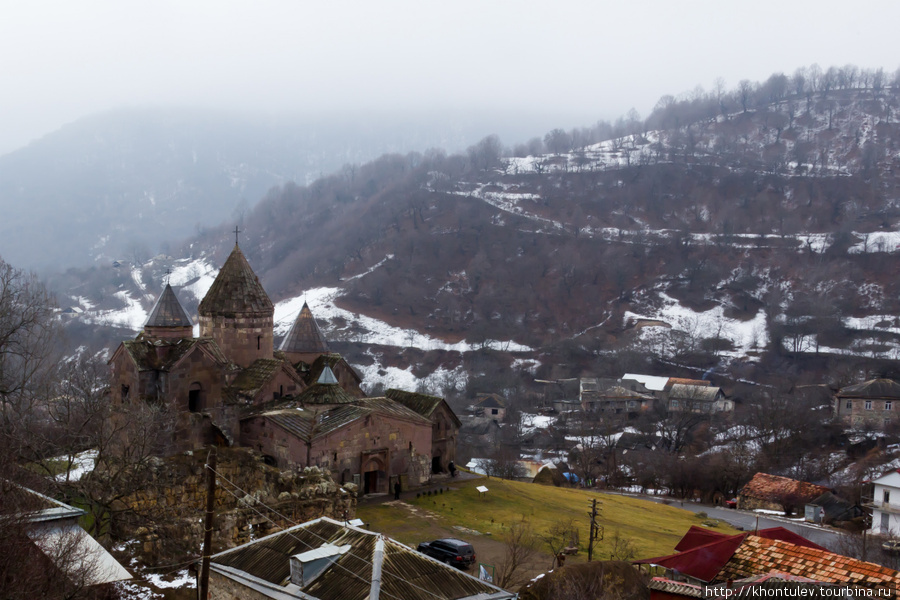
x=707, y=557
x=885, y=504
x=614, y=396
x=772, y=492
x=490, y=406
x=635, y=393
x=301, y=405
x=329, y=560
x=698, y=398
x=874, y=403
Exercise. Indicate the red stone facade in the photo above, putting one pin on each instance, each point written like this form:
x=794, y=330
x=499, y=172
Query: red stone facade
x=229, y=387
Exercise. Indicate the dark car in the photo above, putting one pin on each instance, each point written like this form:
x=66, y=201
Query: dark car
x=451, y=551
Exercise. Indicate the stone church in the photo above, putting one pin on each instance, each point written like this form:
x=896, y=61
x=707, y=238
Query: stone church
x=300, y=405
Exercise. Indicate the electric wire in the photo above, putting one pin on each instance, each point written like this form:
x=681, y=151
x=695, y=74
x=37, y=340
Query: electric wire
x=400, y=577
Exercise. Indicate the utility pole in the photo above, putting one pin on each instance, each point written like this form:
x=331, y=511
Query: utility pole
x=203, y=584
x=596, y=530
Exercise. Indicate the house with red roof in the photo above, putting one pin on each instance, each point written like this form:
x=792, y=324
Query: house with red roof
x=773, y=492
x=709, y=558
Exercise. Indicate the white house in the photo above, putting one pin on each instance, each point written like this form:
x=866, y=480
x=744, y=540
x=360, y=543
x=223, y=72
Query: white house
x=886, y=504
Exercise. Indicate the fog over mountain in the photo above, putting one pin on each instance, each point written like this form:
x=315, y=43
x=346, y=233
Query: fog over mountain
x=125, y=183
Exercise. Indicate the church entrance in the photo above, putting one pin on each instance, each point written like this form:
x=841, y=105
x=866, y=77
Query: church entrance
x=371, y=482
x=436, y=466
x=374, y=471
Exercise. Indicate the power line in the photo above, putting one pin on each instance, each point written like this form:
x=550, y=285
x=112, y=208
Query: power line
x=266, y=517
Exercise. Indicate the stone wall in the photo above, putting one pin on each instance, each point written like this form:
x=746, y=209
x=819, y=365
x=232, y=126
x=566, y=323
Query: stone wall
x=242, y=339
x=224, y=588
x=252, y=500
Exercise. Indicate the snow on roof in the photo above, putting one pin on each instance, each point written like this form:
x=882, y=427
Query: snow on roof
x=651, y=382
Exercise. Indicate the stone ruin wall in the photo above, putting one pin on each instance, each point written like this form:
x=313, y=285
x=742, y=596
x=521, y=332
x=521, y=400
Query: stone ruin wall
x=176, y=497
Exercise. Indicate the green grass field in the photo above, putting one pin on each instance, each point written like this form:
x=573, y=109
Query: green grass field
x=652, y=528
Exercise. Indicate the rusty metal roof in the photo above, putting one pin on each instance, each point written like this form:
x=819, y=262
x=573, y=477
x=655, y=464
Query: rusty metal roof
x=236, y=291
x=375, y=565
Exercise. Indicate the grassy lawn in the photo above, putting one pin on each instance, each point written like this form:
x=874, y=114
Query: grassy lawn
x=652, y=528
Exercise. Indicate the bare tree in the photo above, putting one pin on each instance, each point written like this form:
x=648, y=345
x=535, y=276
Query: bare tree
x=520, y=545
x=28, y=331
x=562, y=534
x=622, y=548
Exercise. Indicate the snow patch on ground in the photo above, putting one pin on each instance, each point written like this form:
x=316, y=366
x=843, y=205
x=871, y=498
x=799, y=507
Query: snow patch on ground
x=530, y=422
x=183, y=580
x=194, y=277
x=133, y=316
x=82, y=464
x=362, y=328
x=372, y=268
x=745, y=335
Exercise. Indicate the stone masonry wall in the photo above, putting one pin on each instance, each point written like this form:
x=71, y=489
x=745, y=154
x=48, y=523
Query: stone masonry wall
x=252, y=500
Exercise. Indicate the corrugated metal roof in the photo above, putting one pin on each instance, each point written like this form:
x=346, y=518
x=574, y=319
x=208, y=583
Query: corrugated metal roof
x=84, y=556
x=405, y=573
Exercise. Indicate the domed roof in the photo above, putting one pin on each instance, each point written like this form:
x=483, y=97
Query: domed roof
x=236, y=291
x=168, y=312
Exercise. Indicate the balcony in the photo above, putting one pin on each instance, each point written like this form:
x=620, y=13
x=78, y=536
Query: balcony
x=887, y=507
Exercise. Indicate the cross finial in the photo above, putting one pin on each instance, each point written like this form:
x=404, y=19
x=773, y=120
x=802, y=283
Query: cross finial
x=168, y=272
x=236, y=232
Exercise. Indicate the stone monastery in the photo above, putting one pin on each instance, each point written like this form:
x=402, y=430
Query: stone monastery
x=299, y=406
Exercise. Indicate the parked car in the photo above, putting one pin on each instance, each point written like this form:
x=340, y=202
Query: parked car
x=731, y=503
x=891, y=546
x=451, y=551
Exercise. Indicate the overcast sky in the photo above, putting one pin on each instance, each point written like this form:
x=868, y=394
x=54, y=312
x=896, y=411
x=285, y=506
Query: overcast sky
x=585, y=60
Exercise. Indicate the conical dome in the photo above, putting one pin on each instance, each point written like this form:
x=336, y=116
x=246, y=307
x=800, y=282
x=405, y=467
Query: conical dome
x=236, y=291
x=168, y=319
x=168, y=312
x=237, y=313
x=305, y=335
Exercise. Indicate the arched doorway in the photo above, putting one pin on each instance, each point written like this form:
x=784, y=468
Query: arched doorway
x=374, y=476
x=195, y=397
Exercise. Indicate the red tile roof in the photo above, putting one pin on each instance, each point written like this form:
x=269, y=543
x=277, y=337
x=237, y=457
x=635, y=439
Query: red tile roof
x=705, y=560
x=758, y=555
x=773, y=487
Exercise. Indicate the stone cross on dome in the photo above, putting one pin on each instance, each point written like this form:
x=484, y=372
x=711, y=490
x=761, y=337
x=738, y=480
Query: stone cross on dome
x=236, y=232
